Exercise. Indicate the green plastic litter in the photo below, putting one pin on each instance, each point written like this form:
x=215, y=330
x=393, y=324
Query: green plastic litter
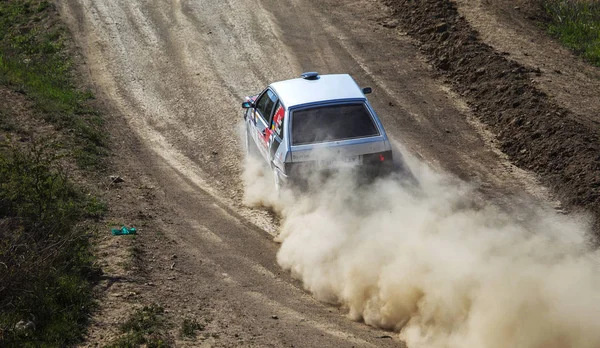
x=123, y=230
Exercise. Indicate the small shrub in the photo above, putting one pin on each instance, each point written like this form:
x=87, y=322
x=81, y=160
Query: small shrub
x=189, y=328
x=144, y=320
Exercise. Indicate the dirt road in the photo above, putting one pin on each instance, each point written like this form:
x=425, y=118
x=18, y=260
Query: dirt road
x=177, y=71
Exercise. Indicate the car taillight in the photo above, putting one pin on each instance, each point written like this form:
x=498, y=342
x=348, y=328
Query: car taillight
x=377, y=158
x=377, y=164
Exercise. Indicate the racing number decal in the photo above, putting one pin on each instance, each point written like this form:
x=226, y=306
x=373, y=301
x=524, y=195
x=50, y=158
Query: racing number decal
x=265, y=135
x=278, y=120
x=276, y=127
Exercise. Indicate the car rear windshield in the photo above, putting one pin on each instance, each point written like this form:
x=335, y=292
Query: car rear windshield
x=331, y=123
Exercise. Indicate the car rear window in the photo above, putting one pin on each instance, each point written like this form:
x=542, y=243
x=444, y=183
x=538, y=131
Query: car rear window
x=331, y=123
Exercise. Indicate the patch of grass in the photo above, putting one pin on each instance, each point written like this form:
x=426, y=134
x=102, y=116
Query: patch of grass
x=144, y=327
x=95, y=208
x=34, y=61
x=6, y=123
x=577, y=24
x=46, y=267
x=45, y=262
x=189, y=327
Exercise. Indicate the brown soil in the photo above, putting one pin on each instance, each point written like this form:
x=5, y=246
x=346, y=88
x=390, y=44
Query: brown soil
x=535, y=131
x=172, y=76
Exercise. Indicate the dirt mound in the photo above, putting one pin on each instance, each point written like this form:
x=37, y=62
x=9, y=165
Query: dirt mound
x=535, y=132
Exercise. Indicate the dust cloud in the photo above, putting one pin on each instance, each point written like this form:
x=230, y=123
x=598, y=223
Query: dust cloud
x=432, y=265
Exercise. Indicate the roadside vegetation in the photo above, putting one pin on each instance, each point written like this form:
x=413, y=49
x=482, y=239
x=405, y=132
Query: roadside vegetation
x=34, y=61
x=46, y=263
x=577, y=24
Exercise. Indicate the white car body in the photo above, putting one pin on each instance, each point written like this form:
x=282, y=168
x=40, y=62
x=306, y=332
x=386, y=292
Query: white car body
x=315, y=122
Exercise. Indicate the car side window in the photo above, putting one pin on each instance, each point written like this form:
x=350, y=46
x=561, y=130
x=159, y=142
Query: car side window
x=265, y=104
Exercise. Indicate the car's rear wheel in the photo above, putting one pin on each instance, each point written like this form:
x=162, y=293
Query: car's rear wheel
x=277, y=180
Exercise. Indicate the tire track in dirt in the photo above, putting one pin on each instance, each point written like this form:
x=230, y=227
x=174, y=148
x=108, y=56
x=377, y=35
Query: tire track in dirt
x=151, y=108
x=176, y=71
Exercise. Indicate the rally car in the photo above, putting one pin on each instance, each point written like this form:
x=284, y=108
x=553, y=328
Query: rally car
x=316, y=123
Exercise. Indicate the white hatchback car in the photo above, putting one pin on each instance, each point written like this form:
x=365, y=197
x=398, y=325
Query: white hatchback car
x=313, y=124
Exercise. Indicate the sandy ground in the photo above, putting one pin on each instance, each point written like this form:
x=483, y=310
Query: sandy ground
x=173, y=74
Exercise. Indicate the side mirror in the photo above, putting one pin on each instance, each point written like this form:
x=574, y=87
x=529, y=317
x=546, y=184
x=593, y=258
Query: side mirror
x=247, y=105
x=367, y=90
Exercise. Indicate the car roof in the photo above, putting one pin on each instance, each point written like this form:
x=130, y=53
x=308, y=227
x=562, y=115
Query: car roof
x=301, y=91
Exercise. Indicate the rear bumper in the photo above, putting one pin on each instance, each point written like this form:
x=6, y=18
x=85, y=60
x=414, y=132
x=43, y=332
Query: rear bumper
x=300, y=174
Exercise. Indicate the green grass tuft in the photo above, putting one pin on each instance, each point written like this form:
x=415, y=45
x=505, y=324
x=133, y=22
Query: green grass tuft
x=576, y=23
x=144, y=327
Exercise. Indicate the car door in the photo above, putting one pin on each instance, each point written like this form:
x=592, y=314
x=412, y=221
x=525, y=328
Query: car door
x=263, y=114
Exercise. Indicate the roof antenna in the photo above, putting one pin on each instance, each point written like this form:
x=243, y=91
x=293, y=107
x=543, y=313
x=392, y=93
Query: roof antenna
x=311, y=75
